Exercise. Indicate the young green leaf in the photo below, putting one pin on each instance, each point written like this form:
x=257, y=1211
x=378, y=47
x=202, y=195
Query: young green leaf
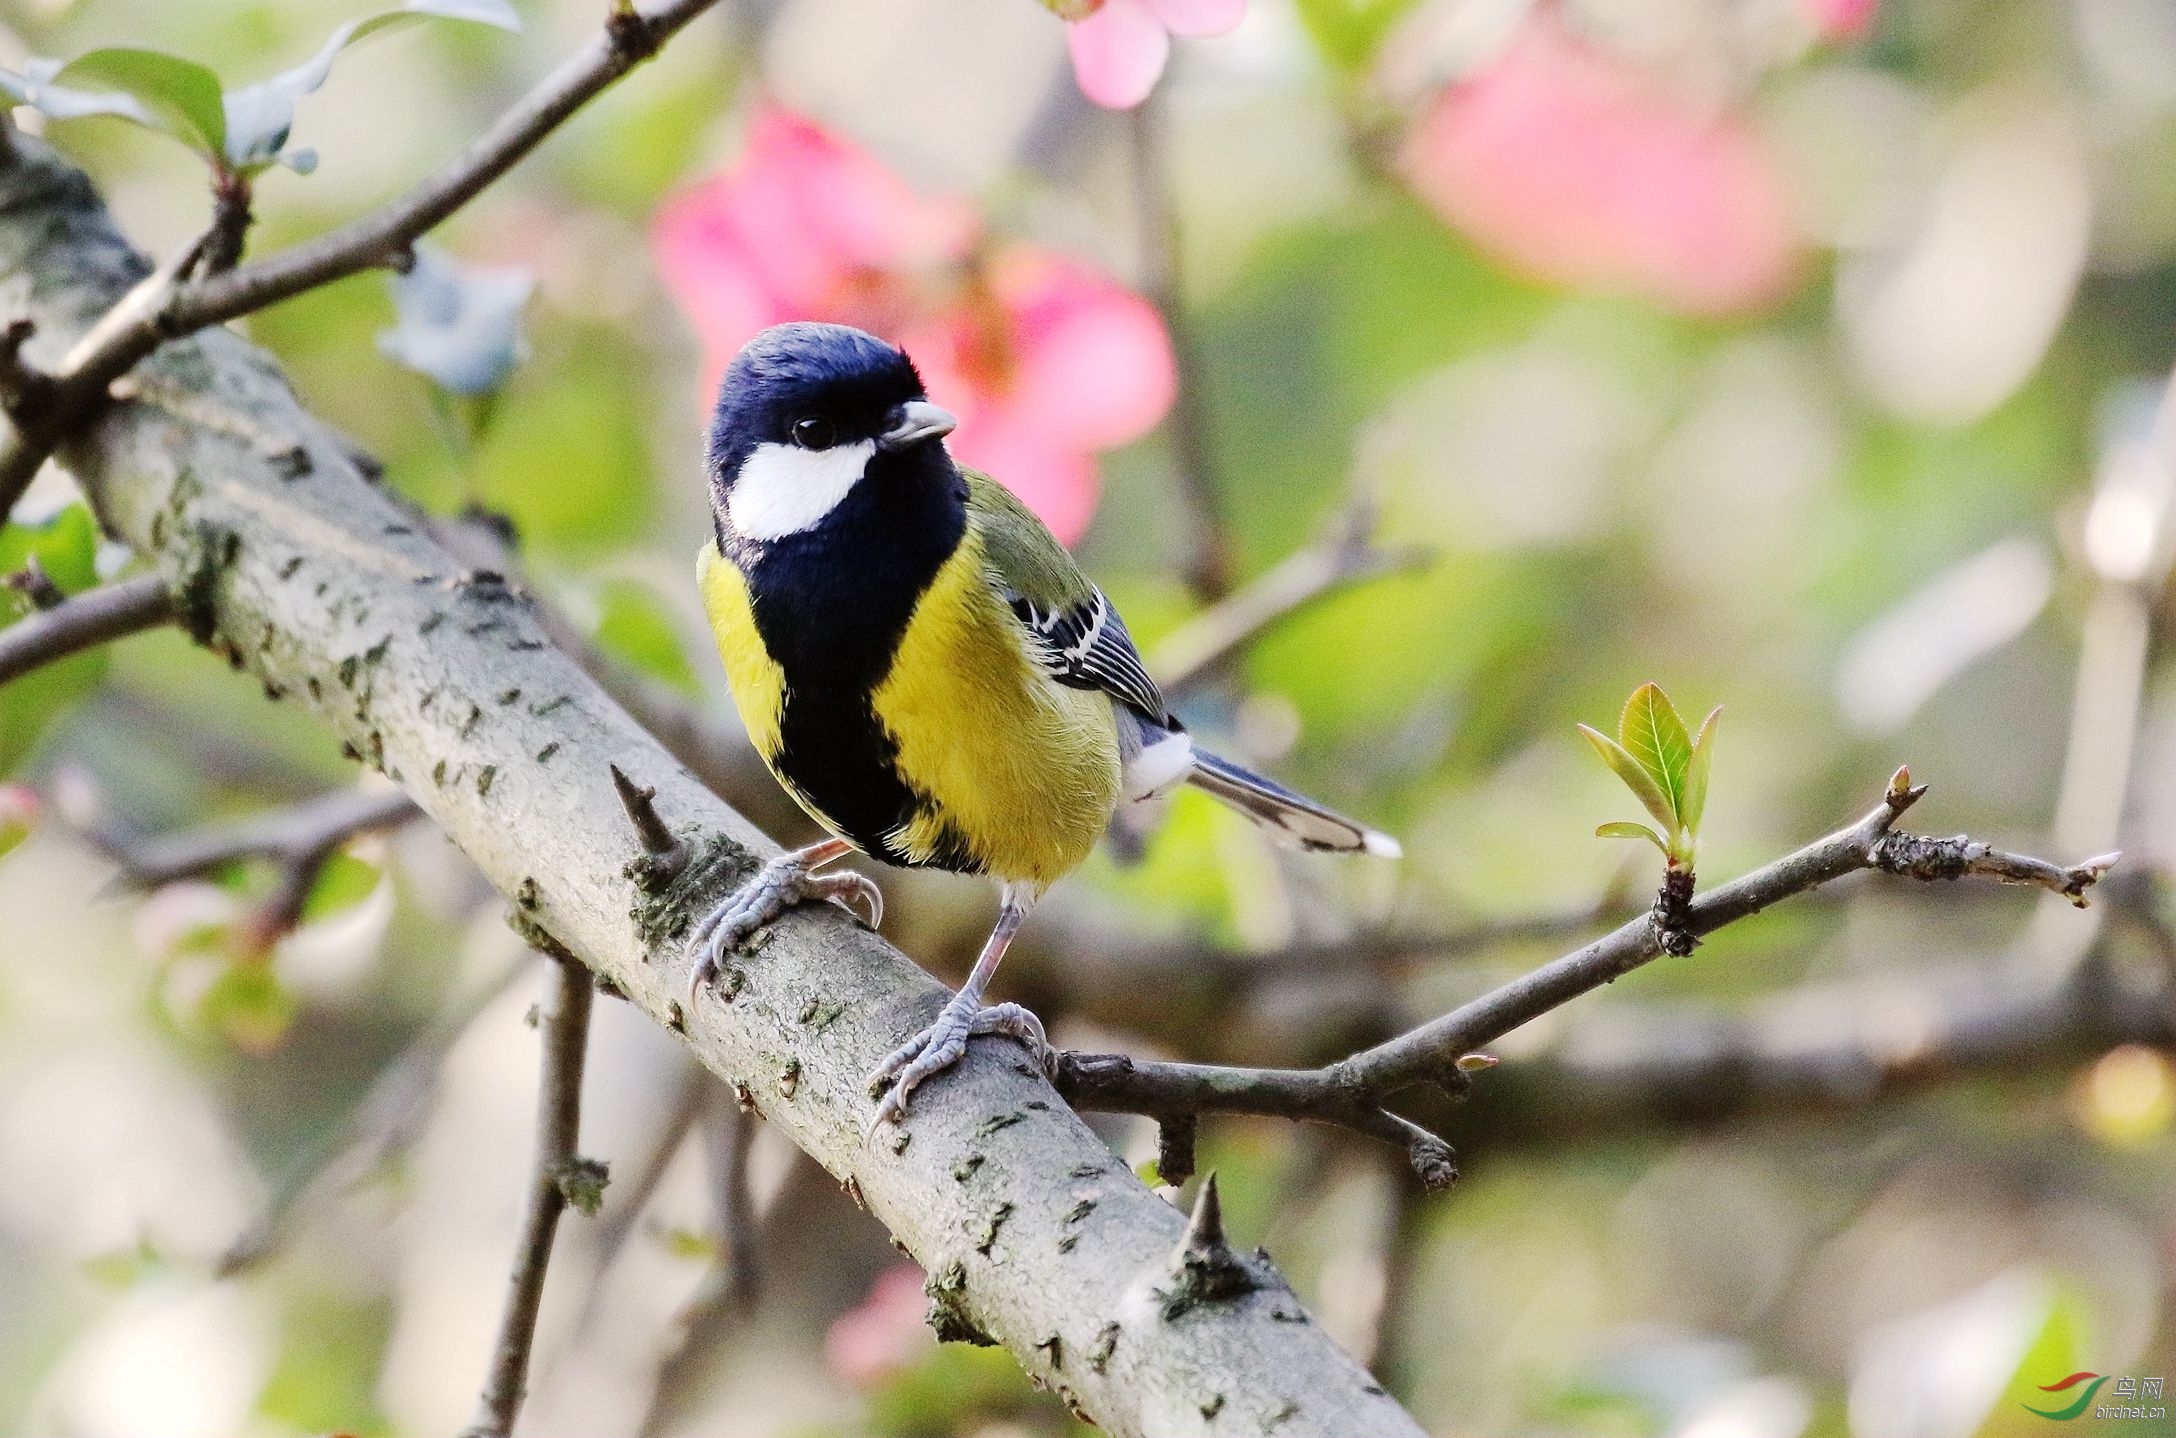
x=145, y=87
x=1625, y=829
x=1696, y=773
x=1636, y=778
x=1652, y=733
x=184, y=96
x=244, y=130
x=342, y=883
x=259, y=117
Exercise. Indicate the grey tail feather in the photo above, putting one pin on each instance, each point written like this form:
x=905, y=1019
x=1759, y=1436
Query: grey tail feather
x=1292, y=819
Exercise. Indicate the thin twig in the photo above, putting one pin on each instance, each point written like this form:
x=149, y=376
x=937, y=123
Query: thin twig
x=565, y=1023
x=93, y=617
x=384, y=236
x=1345, y=554
x=291, y=836
x=1352, y=1091
x=44, y=409
x=164, y=308
x=232, y=194
x=35, y=585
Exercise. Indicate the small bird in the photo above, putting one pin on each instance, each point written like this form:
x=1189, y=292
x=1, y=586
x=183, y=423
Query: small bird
x=924, y=669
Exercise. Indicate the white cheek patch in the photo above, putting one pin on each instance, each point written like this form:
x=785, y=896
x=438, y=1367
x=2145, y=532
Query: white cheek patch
x=784, y=489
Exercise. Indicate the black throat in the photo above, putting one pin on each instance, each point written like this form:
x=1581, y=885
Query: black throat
x=832, y=604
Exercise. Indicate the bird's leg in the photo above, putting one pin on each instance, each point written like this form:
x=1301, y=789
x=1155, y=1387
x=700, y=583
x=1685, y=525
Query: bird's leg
x=940, y=1046
x=789, y=879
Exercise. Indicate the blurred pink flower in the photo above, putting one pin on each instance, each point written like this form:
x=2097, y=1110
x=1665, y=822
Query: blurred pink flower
x=885, y=1334
x=1046, y=360
x=1576, y=168
x=1840, y=19
x=1119, y=46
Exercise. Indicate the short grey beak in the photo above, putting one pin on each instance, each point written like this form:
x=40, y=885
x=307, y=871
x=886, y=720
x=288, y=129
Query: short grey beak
x=915, y=421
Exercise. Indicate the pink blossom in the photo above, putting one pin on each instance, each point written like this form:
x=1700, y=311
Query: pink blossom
x=1576, y=168
x=1046, y=360
x=1119, y=46
x=885, y=1334
x=1837, y=20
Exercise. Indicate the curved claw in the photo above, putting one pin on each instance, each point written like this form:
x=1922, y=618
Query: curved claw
x=844, y=887
x=942, y=1045
x=776, y=887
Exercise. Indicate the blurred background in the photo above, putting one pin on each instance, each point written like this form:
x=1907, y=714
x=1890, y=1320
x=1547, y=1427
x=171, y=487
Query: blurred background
x=1805, y=356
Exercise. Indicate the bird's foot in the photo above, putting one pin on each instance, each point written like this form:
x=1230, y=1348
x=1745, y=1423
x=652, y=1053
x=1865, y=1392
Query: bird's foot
x=941, y=1045
x=776, y=887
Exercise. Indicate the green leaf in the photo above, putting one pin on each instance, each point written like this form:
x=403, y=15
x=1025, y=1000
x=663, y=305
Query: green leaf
x=342, y=883
x=66, y=548
x=634, y=627
x=1652, y=733
x=249, y=1006
x=1626, y=829
x=180, y=97
x=258, y=118
x=1696, y=773
x=1637, y=779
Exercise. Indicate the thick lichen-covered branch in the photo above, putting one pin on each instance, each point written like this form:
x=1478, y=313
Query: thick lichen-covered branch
x=332, y=593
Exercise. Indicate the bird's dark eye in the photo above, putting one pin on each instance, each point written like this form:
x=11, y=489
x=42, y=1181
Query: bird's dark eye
x=813, y=433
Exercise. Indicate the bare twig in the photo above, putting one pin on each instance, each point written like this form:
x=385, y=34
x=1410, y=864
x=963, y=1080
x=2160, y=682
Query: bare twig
x=565, y=1024
x=1352, y=1091
x=93, y=617
x=379, y=1127
x=35, y=585
x=664, y=854
x=383, y=237
x=43, y=409
x=165, y=308
x=23, y=387
x=1345, y=554
x=303, y=834
x=232, y=194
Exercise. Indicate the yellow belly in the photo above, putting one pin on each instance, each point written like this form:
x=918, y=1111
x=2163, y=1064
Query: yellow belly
x=1021, y=768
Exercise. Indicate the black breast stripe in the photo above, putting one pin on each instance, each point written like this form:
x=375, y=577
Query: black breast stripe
x=832, y=605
